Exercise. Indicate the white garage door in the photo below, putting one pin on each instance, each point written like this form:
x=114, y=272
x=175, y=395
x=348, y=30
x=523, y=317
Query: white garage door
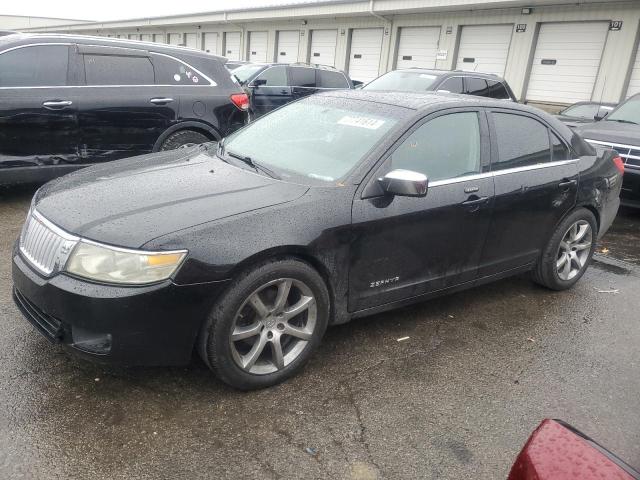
x=634, y=81
x=418, y=47
x=323, y=47
x=257, y=46
x=566, y=61
x=175, y=38
x=287, y=49
x=232, y=45
x=145, y=37
x=484, y=48
x=191, y=40
x=364, y=58
x=210, y=43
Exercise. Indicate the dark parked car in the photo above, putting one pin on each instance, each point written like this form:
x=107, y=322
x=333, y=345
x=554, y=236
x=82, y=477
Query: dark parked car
x=337, y=206
x=456, y=81
x=620, y=130
x=71, y=101
x=584, y=112
x=271, y=85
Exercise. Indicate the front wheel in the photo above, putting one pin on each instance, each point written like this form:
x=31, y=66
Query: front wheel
x=267, y=325
x=569, y=251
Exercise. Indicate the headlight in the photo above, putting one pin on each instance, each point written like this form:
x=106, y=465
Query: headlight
x=118, y=265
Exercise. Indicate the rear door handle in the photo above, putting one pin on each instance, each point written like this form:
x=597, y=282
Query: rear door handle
x=567, y=184
x=475, y=201
x=57, y=104
x=161, y=100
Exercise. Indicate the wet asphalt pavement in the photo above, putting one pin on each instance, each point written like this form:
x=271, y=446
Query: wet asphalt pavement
x=456, y=400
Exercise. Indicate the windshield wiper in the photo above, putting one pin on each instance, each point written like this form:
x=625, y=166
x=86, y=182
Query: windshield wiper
x=622, y=120
x=252, y=163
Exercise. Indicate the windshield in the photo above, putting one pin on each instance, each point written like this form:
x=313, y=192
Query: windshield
x=629, y=111
x=317, y=138
x=402, y=80
x=245, y=72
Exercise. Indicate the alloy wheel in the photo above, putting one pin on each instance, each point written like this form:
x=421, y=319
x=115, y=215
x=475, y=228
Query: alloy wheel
x=273, y=326
x=574, y=249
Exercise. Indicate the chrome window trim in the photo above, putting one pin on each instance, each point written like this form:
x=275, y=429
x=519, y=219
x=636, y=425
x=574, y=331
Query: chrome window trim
x=212, y=83
x=498, y=173
x=611, y=144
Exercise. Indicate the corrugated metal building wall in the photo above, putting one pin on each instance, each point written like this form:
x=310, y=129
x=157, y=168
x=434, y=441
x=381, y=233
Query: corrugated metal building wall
x=547, y=55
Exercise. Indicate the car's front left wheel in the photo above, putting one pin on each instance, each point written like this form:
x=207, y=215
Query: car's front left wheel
x=267, y=324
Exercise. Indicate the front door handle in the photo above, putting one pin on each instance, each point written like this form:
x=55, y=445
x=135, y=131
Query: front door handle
x=57, y=104
x=566, y=184
x=161, y=100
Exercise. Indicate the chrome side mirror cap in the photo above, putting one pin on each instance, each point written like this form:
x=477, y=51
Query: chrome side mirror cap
x=404, y=183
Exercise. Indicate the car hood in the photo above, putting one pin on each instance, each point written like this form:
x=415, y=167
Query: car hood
x=610, y=131
x=129, y=202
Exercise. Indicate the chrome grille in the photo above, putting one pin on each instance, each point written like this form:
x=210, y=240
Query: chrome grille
x=629, y=153
x=44, y=245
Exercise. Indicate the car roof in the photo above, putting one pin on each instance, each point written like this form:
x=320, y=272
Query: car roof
x=26, y=38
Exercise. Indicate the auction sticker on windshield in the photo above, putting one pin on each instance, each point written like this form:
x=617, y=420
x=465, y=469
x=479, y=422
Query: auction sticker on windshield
x=362, y=122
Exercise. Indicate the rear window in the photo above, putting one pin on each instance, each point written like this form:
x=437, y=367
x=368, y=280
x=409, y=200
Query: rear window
x=404, y=81
x=328, y=79
x=118, y=70
x=302, y=77
x=497, y=90
x=37, y=66
x=170, y=71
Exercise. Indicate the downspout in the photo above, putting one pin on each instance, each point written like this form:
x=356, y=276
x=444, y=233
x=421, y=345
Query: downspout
x=242, y=30
x=372, y=12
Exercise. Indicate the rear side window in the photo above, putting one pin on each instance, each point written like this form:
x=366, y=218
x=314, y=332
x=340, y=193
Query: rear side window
x=559, y=150
x=497, y=90
x=522, y=141
x=453, y=85
x=118, y=70
x=172, y=72
x=274, y=76
x=445, y=147
x=302, y=77
x=477, y=86
x=328, y=79
x=37, y=66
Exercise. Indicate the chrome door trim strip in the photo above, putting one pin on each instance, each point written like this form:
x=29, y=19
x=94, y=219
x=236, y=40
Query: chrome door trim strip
x=611, y=144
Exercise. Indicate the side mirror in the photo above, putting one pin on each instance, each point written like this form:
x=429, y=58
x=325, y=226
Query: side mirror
x=259, y=82
x=404, y=183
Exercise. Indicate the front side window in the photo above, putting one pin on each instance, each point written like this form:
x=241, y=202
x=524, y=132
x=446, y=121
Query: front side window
x=317, y=138
x=274, y=76
x=522, y=141
x=169, y=71
x=328, y=79
x=37, y=66
x=477, y=86
x=497, y=90
x=445, y=147
x=452, y=85
x=303, y=77
x=118, y=70
x=403, y=81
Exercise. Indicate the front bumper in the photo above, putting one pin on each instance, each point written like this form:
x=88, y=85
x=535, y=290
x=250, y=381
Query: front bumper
x=630, y=194
x=150, y=325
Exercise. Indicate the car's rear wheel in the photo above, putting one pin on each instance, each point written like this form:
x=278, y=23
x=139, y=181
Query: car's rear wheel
x=569, y=251
x=267, y=325
x=183, y=138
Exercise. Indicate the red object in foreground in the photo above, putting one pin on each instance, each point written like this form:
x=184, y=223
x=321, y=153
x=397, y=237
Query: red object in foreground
x=556, y=451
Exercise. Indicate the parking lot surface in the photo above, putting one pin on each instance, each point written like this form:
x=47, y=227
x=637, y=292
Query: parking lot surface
x=456, y=399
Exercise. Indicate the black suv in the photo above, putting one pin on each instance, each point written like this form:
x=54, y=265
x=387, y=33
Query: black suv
x=456, y=81
x=620, y=130
x=71, y=101
x=271, y=85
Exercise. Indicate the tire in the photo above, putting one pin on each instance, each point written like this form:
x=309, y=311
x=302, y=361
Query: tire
x=237, y=311
x=568, y=253
x=183, y=138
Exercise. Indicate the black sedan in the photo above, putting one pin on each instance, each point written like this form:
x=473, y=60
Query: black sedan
x=338, y=206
